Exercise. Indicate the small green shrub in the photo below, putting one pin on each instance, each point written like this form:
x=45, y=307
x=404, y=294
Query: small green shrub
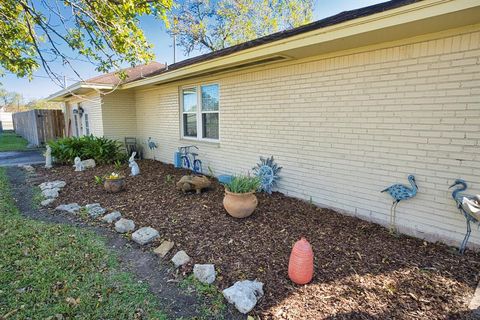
x=243, y=184
x=168, y=178
x=102, y=150
x=98, y=180
x=118, y=165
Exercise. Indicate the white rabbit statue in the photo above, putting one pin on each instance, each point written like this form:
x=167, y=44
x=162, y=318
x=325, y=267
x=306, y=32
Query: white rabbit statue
x=132, y=164
x=78, y=164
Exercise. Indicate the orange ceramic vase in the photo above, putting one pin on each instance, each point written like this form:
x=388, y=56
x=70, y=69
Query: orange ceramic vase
x=300, y=266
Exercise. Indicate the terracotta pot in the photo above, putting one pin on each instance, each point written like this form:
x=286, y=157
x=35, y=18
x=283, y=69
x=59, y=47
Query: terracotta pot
x=300, y=266
x=240, y=205
x=114, y=185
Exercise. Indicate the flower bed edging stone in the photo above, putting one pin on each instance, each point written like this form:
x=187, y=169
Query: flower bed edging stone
x=180, y=258
x=124, y=225
x=145, y=235
x=244, y=294
x=95, y=210
x=204, y=273
x=47, y=202
x=164, y=248
x=112, y=217
x=50, y=190
x=70, y=208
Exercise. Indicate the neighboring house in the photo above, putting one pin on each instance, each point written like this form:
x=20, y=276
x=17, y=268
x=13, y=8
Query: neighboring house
x=348, y=105
x=6, y=119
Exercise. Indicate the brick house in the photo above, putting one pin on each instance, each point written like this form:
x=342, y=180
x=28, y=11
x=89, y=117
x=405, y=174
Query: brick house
x=347, y=105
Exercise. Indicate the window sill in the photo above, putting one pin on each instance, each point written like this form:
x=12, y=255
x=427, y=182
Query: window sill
x=194, y=141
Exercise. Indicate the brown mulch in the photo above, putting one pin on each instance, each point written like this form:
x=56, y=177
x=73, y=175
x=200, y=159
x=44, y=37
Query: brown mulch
x=361, y=271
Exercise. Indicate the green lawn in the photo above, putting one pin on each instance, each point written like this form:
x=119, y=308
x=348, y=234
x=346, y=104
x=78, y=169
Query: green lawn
x=48, y=270
x=10, y=141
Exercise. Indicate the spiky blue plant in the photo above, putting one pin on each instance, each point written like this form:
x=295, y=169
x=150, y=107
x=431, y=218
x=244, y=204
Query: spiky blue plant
x=267, y=170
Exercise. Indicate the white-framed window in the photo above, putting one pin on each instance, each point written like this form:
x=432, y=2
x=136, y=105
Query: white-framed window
x=87, y=125
x=200, y=112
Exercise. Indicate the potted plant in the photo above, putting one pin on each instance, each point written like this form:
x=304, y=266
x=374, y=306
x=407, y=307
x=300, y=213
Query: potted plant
x=240, y=200
x=112, y=183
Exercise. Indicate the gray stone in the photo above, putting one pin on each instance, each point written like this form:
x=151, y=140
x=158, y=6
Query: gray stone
x=204, y=273
x=89, y=163
x=27, y=168
x=144, y=235
x=124, y=225
x=164, y=248
x=94, y=210
x=52, y=184
x=112, y=217
x=70, y=208
x=475, y=302
x=244, y=295
x=180, y=258
x=47, y=202
x=50, y=193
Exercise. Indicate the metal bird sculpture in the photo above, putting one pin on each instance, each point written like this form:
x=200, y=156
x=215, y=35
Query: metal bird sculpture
x=400, y=192
x=469, y=217
x=151, y=144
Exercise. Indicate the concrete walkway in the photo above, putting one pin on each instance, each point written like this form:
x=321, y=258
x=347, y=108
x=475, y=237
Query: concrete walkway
x=15, y=158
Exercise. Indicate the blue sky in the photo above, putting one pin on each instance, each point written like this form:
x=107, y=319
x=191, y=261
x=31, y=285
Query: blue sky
x=41, y=86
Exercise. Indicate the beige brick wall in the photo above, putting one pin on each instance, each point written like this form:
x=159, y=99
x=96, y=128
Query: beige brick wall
x=118, y=112
x=344, y=128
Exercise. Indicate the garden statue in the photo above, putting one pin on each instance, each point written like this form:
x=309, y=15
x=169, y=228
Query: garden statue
x=78, y=164
x=152, y=145
x=400, y=192
x=300, y=265
x=135, y=171
x=48, y=157
x=268, y=171
x=197, y=183
x=469, y=206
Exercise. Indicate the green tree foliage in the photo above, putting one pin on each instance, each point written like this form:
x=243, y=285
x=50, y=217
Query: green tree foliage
x=36, y=33
x=11, y=101
x=209, y=25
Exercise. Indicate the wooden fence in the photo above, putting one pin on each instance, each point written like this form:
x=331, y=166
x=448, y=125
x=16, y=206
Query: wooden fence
x=39, y=126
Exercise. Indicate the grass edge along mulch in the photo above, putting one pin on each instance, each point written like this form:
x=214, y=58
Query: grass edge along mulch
x=10, y=141
x=50, y=270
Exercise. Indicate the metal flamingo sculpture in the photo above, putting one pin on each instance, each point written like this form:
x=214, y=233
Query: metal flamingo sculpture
x=151, y=144
x=400, y=192
x=459, y=199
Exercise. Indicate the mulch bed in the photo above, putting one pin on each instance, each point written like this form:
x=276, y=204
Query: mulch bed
x=361, y=271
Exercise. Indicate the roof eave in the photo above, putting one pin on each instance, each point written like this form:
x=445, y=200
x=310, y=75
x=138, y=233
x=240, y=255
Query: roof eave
x=416, y=12
x=73, y=90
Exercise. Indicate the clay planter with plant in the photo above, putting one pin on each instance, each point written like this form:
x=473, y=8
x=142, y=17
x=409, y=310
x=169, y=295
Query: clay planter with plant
x=112, y=183
x=240, y=200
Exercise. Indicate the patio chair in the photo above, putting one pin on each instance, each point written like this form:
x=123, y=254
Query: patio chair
x=131, y=146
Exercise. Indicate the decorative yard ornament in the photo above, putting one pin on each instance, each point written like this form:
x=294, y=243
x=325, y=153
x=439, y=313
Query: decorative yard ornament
x=135, y=171
x=78, y=164
x=400, y=192
x=191, y=182
x=151, y=144
x=300, y=265
x=268, y=171
x=48, y=157
x=469, y=206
